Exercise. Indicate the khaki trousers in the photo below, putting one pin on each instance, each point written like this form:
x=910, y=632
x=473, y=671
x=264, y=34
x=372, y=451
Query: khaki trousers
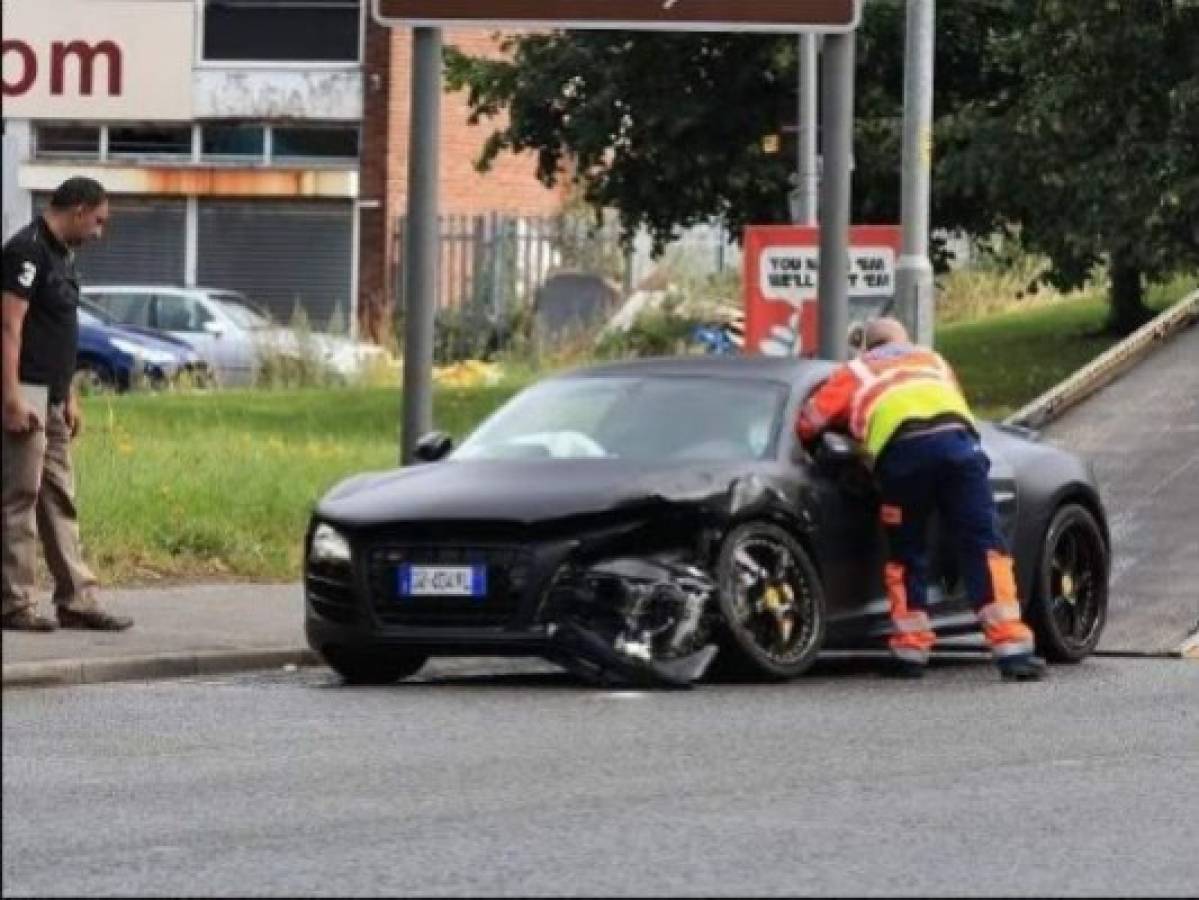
x=39, y=500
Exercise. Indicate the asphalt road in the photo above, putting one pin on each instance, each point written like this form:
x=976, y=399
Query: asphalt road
x=516, y=780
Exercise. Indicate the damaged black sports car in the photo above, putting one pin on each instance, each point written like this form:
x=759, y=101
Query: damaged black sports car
x=647, y=522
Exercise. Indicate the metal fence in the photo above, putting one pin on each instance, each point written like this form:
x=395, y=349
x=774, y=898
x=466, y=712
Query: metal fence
x=491, y=264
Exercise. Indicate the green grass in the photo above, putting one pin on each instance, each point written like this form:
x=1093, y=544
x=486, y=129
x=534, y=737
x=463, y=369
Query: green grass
x=1004, y=361
x=183, y=486
x=187, y=485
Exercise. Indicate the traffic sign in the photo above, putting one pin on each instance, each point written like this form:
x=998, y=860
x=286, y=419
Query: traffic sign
x=825, y=16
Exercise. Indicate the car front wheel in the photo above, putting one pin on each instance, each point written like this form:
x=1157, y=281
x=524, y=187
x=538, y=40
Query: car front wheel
x=373, y=666
x=1069, y=602
x=772, y=603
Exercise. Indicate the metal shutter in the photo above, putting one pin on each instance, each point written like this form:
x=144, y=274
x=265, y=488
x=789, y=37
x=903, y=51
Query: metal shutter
x=144, y=242
x=280, y=253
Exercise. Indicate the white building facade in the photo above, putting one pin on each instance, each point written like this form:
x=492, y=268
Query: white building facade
x=227, y=133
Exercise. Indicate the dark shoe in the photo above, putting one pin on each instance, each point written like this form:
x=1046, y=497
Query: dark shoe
x=92, y=620
x=1022, y=668
x=26, y=620
x=905, y=669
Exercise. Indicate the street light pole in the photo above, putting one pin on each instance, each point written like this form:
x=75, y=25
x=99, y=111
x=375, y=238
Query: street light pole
x=835, y=194
x=915, y=289
x=807, y=187
x=421, y=253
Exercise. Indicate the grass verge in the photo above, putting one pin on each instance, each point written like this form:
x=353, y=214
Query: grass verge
x=187, y=486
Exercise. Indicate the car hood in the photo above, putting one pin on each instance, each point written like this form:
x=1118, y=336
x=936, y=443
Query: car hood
x=102, y=335
x=522, y=491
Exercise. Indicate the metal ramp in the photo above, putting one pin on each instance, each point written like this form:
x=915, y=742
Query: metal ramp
x=1141, y=432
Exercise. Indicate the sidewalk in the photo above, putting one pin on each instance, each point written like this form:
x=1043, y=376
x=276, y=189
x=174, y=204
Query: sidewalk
x=177, y=631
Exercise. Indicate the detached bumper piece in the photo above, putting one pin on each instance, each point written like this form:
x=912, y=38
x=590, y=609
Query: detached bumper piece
x=632, y=622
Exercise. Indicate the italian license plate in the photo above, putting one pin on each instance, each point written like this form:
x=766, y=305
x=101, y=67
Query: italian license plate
x=442, y=581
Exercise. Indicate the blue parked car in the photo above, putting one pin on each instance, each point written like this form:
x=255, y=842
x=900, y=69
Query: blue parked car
x=116, y=357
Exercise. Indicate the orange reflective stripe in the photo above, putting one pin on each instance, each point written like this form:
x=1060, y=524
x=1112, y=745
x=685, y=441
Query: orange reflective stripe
x=1003, y=579
x=913, y=636
x=868, y=398
x=897, y=592
x=890, y=515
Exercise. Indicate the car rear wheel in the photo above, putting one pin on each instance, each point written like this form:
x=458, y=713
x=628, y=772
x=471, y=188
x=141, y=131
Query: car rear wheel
x=373, y=666
x=1069, y=602
x=772, y=603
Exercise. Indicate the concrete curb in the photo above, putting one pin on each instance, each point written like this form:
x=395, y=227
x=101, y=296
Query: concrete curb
x=58, y=672
x=1108, y=366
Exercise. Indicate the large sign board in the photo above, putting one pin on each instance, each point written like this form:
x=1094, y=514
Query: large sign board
x=79, y=59
x=825, y=16
x=782, y=274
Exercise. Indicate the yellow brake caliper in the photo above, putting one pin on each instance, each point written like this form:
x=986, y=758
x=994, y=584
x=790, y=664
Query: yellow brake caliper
x=778, y=601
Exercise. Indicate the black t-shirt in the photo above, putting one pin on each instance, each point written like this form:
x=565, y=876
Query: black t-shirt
x=40, y=269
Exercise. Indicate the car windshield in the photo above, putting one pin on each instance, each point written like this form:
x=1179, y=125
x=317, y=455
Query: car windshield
x=89, y=318
x=243, y=313
x=642, y=418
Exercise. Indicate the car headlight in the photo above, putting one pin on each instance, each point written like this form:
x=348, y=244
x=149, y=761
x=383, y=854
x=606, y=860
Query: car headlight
x=129, y=348
x=328, y=545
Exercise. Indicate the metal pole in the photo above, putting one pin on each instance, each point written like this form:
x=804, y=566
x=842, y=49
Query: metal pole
x=915, y=289
x=808, y=186
x=837, y=93
x=420, y=271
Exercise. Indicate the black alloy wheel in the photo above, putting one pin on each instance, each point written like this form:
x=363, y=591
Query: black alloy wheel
x=1070, y=594
x=772, y=603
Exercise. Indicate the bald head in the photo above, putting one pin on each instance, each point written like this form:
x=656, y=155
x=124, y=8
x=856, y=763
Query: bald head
x=884, y=331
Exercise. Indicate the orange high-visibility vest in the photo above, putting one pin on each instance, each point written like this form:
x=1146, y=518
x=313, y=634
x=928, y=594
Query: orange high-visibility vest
x=879, y=391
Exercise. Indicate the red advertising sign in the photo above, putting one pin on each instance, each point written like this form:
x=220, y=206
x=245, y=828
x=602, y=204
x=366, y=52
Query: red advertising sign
x=782, y=274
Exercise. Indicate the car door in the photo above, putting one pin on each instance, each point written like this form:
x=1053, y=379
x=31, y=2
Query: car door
x=188, y=318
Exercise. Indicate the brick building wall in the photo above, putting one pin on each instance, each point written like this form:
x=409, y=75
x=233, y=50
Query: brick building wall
x=510, y=186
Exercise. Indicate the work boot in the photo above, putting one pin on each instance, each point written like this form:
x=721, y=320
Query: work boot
x=26, y=620
x=92, y=620
x=1022, y=668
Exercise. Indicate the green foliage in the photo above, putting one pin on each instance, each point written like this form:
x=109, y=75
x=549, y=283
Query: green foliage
x=1093, y=150
x=661, y=332
x=1075, y=122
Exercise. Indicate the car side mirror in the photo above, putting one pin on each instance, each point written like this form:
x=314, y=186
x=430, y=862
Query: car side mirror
x=216, y=329
x=432, y=447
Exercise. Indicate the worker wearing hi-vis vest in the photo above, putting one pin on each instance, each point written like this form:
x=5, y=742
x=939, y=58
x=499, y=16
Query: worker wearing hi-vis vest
x=903, y=403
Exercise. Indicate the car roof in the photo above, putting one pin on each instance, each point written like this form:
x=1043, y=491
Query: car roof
x=154, y=288
x=774, y=368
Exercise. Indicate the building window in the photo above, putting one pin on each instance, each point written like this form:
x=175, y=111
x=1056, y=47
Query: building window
x=233, y=143
x=315, y=144
x=159, y=141
x=282, y=30
x=75, y=141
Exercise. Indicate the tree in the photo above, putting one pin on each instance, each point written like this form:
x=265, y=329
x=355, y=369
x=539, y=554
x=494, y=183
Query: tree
x=1073, y=123
x=1094, y=153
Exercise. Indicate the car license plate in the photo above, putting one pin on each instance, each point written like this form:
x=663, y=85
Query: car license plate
x=442, y=581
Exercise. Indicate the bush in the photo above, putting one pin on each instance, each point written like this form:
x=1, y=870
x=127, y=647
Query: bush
x=658, y=332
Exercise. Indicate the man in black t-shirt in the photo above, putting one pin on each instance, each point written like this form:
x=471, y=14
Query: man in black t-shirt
x=41, y=413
